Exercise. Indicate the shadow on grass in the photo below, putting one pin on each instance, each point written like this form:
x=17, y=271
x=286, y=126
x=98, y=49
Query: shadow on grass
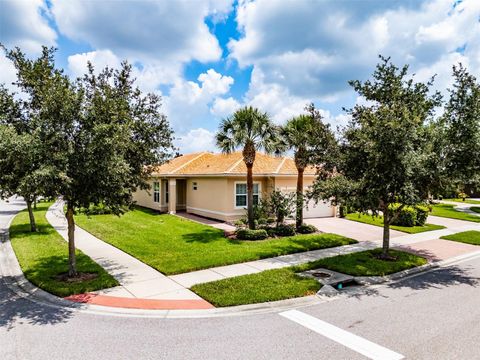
x=23, y=230
x=45, y=271
x=207, y=236
x=17, y=310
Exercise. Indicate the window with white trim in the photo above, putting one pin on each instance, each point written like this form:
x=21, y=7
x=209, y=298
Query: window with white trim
x=241, y=194
x=156, y=192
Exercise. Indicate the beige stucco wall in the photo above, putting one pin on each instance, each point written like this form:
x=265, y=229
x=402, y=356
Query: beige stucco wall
x=209, y=199
x=290, y=183
x=145, y=197
x=215, y=196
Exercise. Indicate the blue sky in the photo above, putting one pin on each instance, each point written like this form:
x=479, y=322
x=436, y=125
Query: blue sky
x=209, y=57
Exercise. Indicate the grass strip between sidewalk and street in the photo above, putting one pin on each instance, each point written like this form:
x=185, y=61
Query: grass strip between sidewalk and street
x=378, y=221
x=468, y=237
x=448, y=211
x=43, y=256
x=285, y=283
x=174, y=245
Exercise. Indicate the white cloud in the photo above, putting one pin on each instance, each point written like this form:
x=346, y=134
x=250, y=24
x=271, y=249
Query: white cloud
x=224, y=107
x=313, y=48
x=152, y=31
x=22, y=25
x=77, y=64
x=8, y=74
x=188, y=103
x=196, y=140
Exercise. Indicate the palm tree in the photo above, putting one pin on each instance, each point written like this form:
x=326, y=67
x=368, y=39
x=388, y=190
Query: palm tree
x=310, y=139
x=250, y=129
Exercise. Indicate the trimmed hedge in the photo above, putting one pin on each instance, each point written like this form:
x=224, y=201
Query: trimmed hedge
x=306, y=229
x=247, y=234
x=285, y=230
x=411, y=215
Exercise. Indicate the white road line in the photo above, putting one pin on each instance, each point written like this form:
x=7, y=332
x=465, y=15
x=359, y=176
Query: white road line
x=354, y=342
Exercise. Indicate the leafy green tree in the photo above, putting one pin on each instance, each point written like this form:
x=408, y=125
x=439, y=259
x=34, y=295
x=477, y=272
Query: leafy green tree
x=31, y=152
x=311, y=141
x=461, y=122
x=382, y=152
x=101, y=132
x=252, y=130
x=118, y=134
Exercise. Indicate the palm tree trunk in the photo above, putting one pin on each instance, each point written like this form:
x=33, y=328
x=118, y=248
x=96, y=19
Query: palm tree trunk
x=251, y=218
x=33, y=225
x=299, y=215
x=72, y=260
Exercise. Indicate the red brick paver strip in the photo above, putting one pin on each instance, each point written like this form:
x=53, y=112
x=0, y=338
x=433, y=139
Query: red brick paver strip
x=134, y=303
x=437, y=250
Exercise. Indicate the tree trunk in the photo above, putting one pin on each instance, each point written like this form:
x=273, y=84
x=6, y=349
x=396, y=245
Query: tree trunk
x=251, y=218
x=386, y=232
x=72, y=260
x=33, y=225
x=299, y=215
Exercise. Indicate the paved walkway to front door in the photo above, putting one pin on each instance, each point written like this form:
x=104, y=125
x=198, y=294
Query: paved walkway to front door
x=210, y=222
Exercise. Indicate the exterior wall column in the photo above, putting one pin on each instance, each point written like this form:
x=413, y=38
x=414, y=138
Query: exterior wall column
x=172, y=196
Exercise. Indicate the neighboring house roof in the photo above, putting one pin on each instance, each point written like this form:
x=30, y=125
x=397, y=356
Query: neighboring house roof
x=206, y=163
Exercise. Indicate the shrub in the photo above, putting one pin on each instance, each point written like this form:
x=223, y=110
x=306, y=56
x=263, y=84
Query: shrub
x=406, y=217
x=102, y=209
x=306, y=229
x=285, y=230
x=262, y=221
x=239, y=223
x=268, y=228
x=411, y=215
x=422, y=214
x=278, y=205
x=247, y=234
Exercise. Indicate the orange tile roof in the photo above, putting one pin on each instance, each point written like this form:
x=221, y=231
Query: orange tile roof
x=207, y=163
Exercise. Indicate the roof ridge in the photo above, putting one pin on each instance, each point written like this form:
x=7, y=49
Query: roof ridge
x=280, y=165
x=188, y=162
x=234, y=165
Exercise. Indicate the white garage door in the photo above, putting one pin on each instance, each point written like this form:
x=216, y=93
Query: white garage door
x=318, y=210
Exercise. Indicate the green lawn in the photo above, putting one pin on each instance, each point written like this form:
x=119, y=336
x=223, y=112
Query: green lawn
x=367, y=263
x=174, y=245
x=448, y=211
x=468, y=201
x=475, y=209
x=270, y=285
x=468, y=237
x=44, y=255
x=378, y=221
x=284, y=283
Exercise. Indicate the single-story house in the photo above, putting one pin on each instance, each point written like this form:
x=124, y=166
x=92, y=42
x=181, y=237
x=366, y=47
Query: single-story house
x=214, y=185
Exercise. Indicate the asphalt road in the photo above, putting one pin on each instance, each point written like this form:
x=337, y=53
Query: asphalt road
x=435, y=315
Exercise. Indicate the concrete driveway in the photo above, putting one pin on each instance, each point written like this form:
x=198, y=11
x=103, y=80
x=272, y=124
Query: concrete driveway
x=351, y=229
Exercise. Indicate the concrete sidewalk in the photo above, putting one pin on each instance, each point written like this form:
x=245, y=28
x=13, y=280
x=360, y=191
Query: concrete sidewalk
x=252, y=267
x=137, y=279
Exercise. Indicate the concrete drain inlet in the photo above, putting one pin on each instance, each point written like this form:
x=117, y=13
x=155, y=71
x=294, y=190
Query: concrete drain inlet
x=334, y=279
